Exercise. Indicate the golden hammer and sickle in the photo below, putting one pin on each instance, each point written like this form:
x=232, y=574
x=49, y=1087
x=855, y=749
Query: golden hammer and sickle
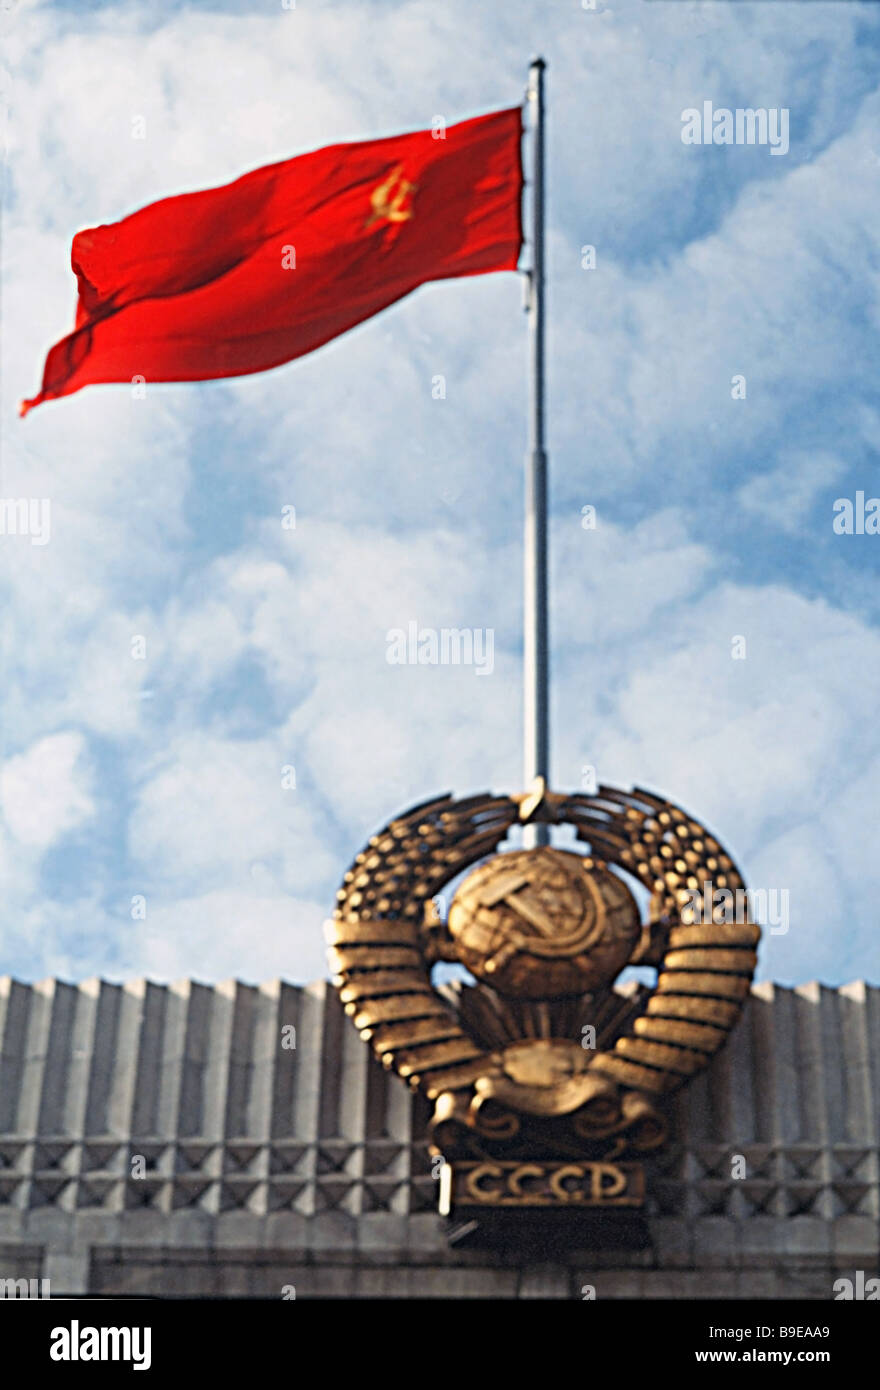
x=388, y=197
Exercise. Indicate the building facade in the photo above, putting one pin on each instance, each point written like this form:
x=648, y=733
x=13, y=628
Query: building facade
x=240, y=1140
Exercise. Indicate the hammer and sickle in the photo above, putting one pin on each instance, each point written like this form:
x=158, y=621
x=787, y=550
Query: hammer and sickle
x=388, y=197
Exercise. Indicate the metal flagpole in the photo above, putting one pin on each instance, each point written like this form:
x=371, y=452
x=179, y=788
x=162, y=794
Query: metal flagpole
x=535, y=663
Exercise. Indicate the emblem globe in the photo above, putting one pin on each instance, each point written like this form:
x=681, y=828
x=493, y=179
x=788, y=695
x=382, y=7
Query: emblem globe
x=544, y=923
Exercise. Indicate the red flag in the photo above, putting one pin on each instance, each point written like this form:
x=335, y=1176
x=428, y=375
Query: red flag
x=244, y=277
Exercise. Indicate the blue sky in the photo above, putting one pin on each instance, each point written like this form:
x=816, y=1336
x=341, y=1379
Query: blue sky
x=161, y=778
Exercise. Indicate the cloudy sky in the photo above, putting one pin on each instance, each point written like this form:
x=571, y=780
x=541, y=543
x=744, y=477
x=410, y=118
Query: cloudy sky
x=154, y=786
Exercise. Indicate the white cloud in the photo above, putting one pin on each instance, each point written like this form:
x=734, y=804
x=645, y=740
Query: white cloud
x=785, y=494
x=44, y=792
x=221, y=935
x=267, y=647
x=214, y=808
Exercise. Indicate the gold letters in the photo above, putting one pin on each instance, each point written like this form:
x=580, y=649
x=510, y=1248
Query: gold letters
x=587, y=1184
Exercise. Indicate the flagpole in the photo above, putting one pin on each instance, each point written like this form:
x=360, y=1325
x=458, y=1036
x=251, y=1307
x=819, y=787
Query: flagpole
x=535, y=657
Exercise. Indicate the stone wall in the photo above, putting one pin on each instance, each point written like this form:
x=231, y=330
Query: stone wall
x=266, y=1166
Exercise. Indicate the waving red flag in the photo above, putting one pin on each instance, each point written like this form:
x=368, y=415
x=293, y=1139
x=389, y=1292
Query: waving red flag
x=244, y=277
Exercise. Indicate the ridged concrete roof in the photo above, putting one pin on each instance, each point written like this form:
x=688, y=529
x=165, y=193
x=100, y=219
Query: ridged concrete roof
x=143, y=1117
x=195, y=1080
x=190, y=1062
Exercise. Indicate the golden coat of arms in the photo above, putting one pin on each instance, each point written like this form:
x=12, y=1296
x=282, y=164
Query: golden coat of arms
x=548, y=1084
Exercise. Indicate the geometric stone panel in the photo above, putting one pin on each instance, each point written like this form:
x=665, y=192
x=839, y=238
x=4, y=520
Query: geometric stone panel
x=318, y=1155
